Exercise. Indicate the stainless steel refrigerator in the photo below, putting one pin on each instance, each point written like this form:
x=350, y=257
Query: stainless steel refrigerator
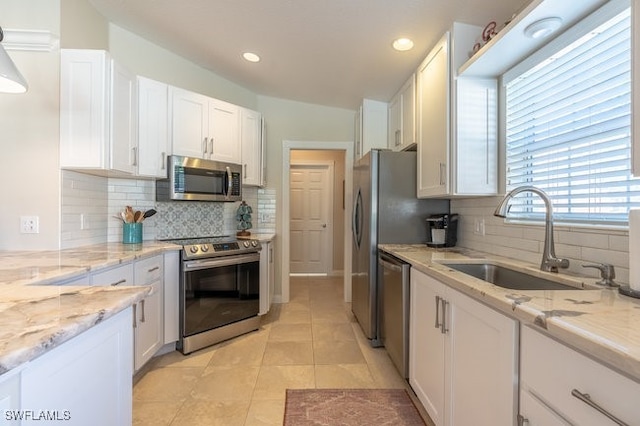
x=386, y=211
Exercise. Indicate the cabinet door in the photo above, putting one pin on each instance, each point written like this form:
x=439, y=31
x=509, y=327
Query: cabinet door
x=374, y=125
x=10, y=397
x=265, y=283
x=408, y=98
x=224, y=132
x=148, y=322
x=252, y=149
x=153, y=136
x=395, y=123
x=88, y=376
x=171, y=295
x=433, y=87
x=84, y=124
x=482, y=352
x=426, y=345
x=124, y=113
x=189, y=123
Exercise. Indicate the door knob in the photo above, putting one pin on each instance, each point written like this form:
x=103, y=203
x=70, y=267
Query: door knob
x=324, y=225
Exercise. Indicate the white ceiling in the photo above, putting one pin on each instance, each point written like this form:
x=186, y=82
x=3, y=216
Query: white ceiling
x=326, y=52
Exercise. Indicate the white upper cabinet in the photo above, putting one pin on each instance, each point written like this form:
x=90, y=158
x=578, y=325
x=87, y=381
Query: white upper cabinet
x=456, y=122
x=433, y=77
x=370, y=127
x=153, y=129
x=204, y=127
x=252, y=141
x=224, y=131
x=98, y=113
x=402, y=129
x=190, y=123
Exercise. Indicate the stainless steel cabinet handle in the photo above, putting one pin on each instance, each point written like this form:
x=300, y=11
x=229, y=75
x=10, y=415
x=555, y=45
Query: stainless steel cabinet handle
x=522, y=421
x=443, y=328
x=437, y=325
x=584, y=397
x=164, y=161
x=245, y=171
x=135, y=156
x=206, y=145
x=443, y=169
x=142, y=317
x=211, y=141
x=397, y=137
x=135, y=314
x=118, y=282
x=155, y=268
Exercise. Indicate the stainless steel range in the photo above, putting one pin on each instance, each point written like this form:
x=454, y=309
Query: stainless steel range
x=219, y=290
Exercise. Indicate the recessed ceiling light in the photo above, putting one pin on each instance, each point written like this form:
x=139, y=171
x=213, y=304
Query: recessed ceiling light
x=543, y=27
x=251, y=57
x=403, y=44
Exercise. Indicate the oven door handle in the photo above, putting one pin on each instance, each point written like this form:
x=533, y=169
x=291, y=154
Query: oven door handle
x=194, y=265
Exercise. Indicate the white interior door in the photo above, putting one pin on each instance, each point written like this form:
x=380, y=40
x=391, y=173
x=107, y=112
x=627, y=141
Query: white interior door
x=311, y=188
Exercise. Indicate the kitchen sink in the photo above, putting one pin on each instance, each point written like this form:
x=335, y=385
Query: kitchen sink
x=508, y=278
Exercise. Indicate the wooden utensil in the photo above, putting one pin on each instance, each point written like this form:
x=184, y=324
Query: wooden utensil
x=137, y=216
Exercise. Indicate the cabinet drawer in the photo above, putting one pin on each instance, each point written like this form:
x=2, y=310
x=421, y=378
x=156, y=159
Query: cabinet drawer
x=148, y=270
x=120, y=275
x=552, y=371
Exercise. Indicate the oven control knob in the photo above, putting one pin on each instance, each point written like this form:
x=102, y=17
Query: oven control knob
x=254, y=243
x=193, y=249
x=204, y=248
x=245, y=244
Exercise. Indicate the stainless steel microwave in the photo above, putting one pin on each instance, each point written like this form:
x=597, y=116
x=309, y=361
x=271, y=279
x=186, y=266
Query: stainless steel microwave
x=196, y=179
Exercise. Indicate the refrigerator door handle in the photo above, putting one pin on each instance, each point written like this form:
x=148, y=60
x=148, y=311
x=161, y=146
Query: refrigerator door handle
x=357, y=219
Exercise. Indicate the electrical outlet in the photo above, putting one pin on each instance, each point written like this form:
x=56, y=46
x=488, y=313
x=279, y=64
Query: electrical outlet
x=479, y=226
x=29, y=225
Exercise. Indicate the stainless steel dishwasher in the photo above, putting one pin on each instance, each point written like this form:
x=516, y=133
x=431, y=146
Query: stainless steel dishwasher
x=394, y=310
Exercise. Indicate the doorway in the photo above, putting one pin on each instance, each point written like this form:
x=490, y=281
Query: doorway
x=346, y=150
x=311, y=190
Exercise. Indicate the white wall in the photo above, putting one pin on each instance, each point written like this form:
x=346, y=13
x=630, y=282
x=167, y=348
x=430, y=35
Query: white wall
x=297, y=121
x=525, y=242
x=29, y=128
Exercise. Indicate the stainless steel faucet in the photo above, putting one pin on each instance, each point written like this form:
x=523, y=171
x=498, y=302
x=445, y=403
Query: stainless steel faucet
x=550, y=263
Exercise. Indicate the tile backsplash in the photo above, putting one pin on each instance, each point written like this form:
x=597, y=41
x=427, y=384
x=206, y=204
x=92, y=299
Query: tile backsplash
x=581, y=245
x=90, y=204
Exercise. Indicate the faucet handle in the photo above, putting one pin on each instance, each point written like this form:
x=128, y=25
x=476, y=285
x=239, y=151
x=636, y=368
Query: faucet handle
x=607, y=273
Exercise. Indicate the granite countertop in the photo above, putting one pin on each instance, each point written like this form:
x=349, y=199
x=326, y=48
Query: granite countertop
x=38, y=315
x=595, y=320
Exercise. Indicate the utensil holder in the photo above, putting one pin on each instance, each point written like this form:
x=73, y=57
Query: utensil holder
x=132, y=233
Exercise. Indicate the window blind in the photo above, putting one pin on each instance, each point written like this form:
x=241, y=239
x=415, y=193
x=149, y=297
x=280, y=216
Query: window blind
x=568, y=129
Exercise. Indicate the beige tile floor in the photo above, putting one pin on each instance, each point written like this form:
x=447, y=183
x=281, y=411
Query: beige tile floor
x=311, y=342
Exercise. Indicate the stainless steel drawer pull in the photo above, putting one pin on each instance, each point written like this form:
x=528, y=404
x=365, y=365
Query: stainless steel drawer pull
x=437, y=325
x=155, y=268
x=135, y=313
x=444, y=328
x=584, y=397
x=142, y=317
x=118, y=283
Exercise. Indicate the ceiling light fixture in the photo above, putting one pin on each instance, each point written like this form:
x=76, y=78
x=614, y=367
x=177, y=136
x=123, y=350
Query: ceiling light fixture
x=403, y=44
x=543, y=27
x=251, y=57
x=11, y=81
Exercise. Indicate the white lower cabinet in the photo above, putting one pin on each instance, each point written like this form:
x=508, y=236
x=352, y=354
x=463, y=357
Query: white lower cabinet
x=462, y=357
x=571, y=388
x=86, y=380
x=118, y=276
x=267, y=276
x=148, y=321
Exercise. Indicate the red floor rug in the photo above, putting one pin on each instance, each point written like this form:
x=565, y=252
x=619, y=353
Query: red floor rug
x=350, y=407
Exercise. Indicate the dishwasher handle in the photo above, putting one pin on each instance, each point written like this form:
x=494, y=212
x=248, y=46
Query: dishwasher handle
x=390, y=263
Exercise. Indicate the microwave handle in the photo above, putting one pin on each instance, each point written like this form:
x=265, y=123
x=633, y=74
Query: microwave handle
x=229, y=183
